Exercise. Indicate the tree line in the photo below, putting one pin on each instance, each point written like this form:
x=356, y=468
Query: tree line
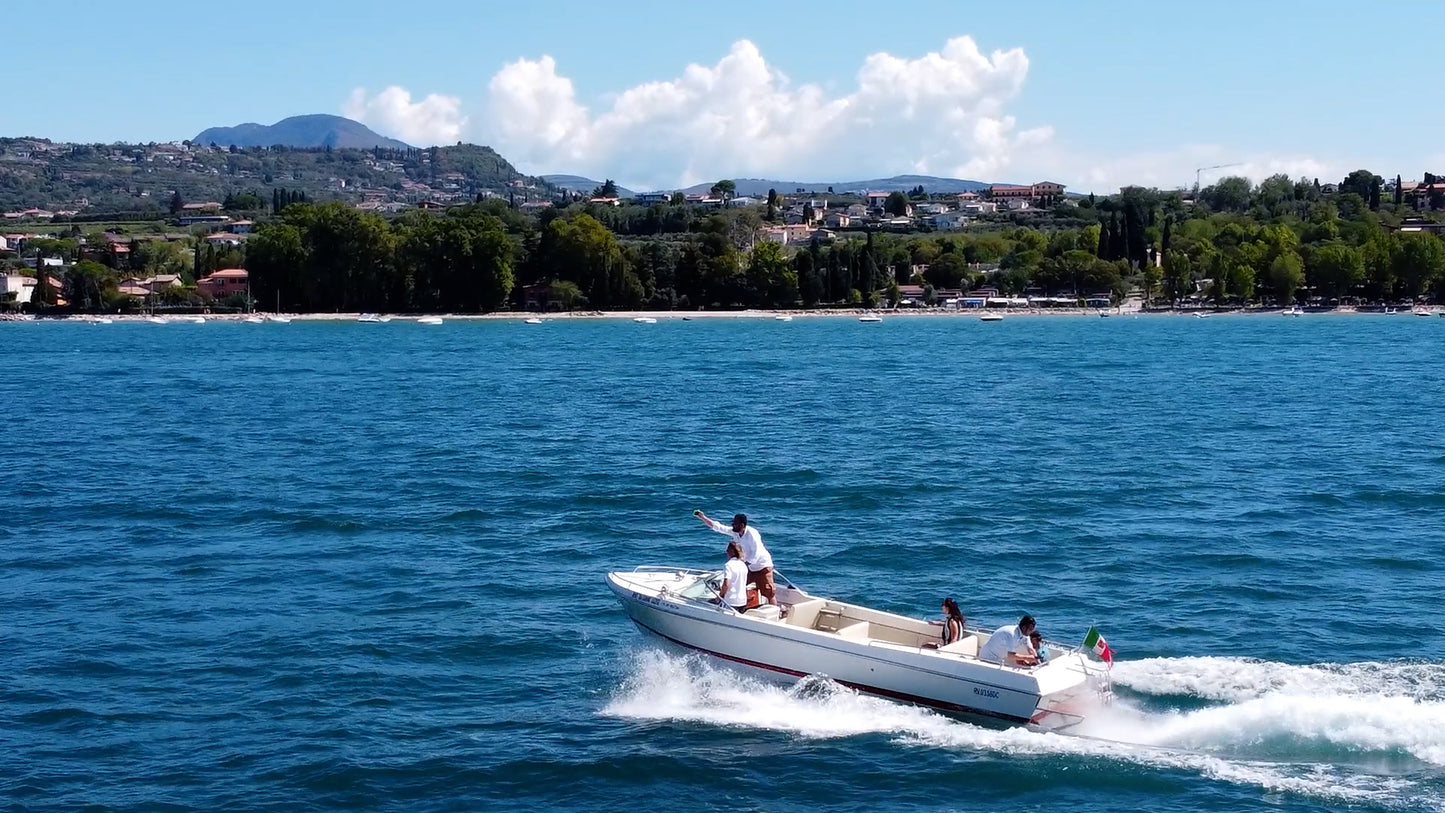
x=1231, y=243
x=1234, y=243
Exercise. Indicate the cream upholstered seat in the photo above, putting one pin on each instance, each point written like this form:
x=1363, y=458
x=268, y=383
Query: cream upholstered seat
x=804, y=613
x=967, y=645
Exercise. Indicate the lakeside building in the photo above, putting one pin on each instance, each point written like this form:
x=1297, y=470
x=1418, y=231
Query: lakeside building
x=221, y=284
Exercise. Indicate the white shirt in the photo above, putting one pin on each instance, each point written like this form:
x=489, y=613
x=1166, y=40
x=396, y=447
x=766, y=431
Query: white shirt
x=755, y=556
x=736, y=574
x=1003, y=641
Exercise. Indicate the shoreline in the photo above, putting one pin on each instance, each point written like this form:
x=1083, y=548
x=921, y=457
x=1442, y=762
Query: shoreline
x=772, y=314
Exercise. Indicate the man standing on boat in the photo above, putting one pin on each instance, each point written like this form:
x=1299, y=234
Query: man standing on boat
x=755, y=556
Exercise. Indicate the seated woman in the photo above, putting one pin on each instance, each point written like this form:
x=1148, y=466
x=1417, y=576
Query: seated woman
x=953, y=623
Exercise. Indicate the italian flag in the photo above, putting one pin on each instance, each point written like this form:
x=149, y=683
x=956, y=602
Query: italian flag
x=1094, y=641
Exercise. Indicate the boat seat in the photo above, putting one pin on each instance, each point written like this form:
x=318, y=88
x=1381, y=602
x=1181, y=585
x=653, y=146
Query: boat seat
x=967, y=645
x=857, y=630
x=766, y=612
x=829, y=620
x=804, y=613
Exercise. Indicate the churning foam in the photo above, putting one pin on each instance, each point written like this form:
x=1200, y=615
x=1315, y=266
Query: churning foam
x=1293, y=729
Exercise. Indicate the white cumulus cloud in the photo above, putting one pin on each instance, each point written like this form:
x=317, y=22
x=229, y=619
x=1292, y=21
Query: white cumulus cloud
x=436, y=119
x=942, y=113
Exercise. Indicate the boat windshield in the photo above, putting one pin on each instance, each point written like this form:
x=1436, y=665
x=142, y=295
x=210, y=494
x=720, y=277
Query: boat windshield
x=704, y=588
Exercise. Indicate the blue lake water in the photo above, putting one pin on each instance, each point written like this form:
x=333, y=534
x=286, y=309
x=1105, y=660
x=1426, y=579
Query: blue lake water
x=328, y=566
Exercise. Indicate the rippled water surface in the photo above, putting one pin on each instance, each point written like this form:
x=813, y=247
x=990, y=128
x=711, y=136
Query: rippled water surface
x=340, y=566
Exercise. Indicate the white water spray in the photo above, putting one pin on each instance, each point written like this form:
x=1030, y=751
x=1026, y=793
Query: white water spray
x=1303, y=730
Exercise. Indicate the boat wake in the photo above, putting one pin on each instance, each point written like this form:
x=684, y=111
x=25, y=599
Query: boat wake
x=1365, y=733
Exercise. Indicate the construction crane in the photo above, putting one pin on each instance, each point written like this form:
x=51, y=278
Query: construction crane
x=1216, y=166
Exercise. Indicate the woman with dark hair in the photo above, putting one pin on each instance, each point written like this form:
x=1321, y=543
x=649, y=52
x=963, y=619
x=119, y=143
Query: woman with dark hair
x=953, y=623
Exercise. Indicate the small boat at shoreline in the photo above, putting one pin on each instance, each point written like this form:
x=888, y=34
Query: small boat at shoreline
x=1294, y=311
x=991, y=317
x=868, y=650
x=371, y=318
x=531, y=320
x=276, y=317
x=783, y=318
x=158, y=320
x=870, y=318
x=429, y=320
x=254, y=320
x=644, y=320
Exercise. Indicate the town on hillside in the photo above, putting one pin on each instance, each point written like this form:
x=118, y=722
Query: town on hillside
x=187, y=226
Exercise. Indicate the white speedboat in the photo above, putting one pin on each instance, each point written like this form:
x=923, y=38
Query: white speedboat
x=158, y=320
x=531, y=320
x=276, y=317
x=783, y=318
x=991, y=317
x=1294, y=311
x=870, y=318
x=193, y=320
x=372, y=318
x=254, y=319
x=429, y=320
x=644, y=320
x=868, y=650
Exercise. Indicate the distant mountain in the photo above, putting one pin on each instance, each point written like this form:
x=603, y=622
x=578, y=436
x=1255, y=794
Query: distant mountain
x=754, y=187
x=317, y=130
x=577, y=183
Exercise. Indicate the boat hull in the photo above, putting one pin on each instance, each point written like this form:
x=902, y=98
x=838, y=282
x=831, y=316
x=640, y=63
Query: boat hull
x=1051, y=697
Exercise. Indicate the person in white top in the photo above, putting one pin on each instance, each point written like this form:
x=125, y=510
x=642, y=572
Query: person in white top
x=734, y=590
x=755, y=556
x=1012, y=640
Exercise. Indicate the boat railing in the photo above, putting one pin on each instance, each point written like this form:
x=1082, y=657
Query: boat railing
x=681, y=571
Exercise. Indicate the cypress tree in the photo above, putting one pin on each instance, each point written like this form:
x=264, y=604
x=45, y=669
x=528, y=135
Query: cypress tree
x=1134, y=244
x=1399, y=191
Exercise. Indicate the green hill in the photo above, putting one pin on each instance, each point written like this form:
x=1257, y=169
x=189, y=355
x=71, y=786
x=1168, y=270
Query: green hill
x=98, y=179
x=316, y=130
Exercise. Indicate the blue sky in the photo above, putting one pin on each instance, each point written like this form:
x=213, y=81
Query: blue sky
x=1092, y=95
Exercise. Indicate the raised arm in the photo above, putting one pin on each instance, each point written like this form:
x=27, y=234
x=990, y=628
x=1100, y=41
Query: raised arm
x=712, y=523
